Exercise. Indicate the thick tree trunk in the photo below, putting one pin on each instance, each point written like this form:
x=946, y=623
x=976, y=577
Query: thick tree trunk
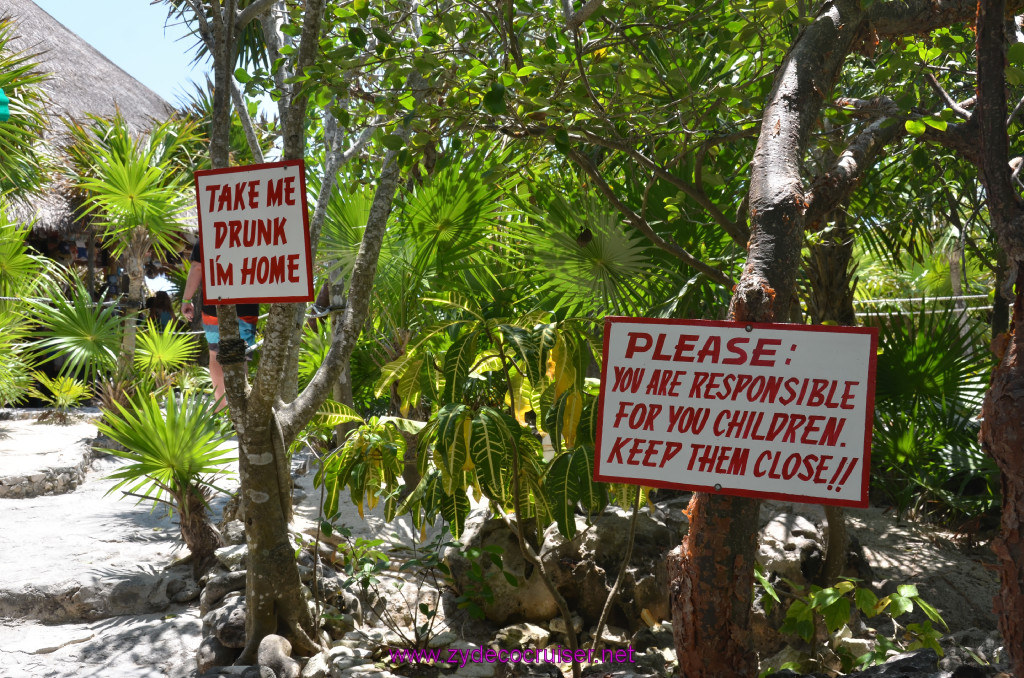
x=713, y=568
x=1002, y=436
x=200, y=536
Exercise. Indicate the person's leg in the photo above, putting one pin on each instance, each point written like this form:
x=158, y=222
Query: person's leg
x=217, y=377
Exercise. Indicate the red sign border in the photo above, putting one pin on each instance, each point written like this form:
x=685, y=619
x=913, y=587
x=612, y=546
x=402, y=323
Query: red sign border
x=872, y=332
x=309, y=296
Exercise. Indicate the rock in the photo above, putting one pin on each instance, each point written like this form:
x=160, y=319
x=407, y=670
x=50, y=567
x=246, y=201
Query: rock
x=612, y=635
x=182, y=590
x=791, y=546
x=530, y=600
x=231, y=630
x=216, y=618
x=213, y=653
x=584, y=568
x=521, y=635
x=233, y=532
x=659, y=636
x=557, y=624
x=232, y=557
x=133, y=592
x=316, y=667
x=475, y=670
x=364, y=671
x=342, y=657
x=274, y=653
x=218, y=587
x=443, y=639
x=338, y=623
x=907, y=665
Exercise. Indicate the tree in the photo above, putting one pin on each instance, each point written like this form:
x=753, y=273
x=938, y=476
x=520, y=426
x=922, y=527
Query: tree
x=267, y=413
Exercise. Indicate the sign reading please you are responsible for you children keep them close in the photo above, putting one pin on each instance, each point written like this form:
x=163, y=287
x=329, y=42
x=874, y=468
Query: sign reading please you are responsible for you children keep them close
x=751, y=409
x=254, y=233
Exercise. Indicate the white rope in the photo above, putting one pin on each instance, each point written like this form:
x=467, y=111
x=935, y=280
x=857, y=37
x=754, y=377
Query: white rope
x=919, y=299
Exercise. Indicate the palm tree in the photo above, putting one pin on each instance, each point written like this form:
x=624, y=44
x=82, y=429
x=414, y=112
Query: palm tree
x=22, y=168
x=136, y=188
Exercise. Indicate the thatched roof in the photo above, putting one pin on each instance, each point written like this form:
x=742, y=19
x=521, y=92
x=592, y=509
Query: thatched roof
x=81, y=81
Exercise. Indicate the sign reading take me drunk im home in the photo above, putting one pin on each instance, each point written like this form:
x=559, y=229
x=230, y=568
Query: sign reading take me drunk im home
x=254, y=233
x=752, y=409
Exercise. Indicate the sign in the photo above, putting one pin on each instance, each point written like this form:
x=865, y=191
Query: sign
x=5, y=107
x=752, y=409
x=254, y=233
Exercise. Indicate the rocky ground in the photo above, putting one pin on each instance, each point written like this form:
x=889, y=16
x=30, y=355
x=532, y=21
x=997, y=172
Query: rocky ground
x=90, y=586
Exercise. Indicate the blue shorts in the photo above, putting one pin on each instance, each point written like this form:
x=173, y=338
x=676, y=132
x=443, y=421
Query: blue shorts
x=246, y=330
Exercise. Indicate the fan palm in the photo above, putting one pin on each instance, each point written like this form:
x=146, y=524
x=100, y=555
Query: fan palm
x=173, y=458
x=136, y=189
x=22, y=167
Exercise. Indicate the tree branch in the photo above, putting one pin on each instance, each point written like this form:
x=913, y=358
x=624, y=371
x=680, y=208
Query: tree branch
x=738, y=233
x=640, y=224
x=247, y=126
x=251, y=12
x=917, y=17
x=574, y=20
x=944, y=95
x=832, y=187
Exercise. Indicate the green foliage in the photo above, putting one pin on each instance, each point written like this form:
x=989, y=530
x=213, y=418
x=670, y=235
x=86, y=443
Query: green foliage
x=925, y=453
x=23, y=165
x=161, y=352
x=816, y=608
x=85, y=334
x=174, y=454
x=62, y=394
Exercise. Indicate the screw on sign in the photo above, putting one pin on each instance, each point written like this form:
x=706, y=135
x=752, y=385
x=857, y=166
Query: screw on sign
x=761, y=410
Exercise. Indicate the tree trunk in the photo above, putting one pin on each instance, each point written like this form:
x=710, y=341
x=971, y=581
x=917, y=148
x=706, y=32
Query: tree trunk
x=1002, y=436
x=712, y=571
x=132, y=309
x=200, y=536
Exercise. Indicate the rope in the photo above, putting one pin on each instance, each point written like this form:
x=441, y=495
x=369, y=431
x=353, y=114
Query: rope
x=232, y=351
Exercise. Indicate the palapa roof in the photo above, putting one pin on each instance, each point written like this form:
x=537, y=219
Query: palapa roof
x=81, y=82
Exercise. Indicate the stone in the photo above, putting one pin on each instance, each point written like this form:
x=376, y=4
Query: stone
x=476, y=670
x=584, y=568
x=659, y=636
x=614, y=636
x=921, y=663
x=791, y=546
x=530, y=600
x=213, y=653
x=443, y=639
x=232, y=557
x=231, y=630
x=131, y=592
x=219, y=586
x=233, y=532
x=316, y=667
x=182, y=590
x=337, y=623
x=275, y=653
x=364, y=671
x=521, y=635
x=557, y=624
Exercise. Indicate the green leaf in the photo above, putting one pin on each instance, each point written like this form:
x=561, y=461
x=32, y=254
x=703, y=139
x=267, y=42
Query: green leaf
x=915, y=127
x=1015, y=54
x=454, y=509
x=898, y=605
x=457, y=361
x=490, y=449
x=392, y=141
x=907, y=590
x=242, y=75
x=836, y=614
x=867, y=601
x=494, y=99
x=561, y=485
x=357, y=37
x=293, y=30
x=936, y=123
x=592, y=494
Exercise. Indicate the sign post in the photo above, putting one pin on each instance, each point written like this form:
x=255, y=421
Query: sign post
x=751, y=409
x=254, y=233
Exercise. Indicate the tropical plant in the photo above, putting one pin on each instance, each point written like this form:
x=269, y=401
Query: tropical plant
x=62, y=394
x=76, y=330
x=161, y=352
x=136, y=190
x=23, y=165
x=175, y=456
x=925, y=454
x=21, y=277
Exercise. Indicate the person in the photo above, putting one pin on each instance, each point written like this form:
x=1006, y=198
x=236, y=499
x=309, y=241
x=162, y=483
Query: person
x=247, y=316
x=160, y=311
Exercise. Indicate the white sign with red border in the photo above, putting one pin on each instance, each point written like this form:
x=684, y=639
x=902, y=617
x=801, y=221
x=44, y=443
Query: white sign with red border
x=752, y=409
x=254, y=233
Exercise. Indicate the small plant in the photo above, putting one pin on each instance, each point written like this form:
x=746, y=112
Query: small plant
x=64, y=394
x=174, y=459
x=816, y=615
x=162, y=352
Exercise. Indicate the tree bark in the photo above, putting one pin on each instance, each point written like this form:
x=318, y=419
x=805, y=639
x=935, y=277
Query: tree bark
x=712, y=571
